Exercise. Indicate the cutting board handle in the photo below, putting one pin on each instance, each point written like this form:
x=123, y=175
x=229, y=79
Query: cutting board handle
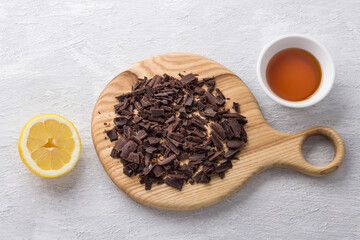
x=295, y=159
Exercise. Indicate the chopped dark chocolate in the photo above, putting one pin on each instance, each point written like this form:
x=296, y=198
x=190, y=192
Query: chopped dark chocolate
x=164, y=121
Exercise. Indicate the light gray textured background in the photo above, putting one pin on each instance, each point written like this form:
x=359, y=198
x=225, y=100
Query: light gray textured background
x=57, y=56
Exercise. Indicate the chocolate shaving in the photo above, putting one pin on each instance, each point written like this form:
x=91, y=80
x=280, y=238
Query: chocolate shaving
x=141, y=134
x=216, y=141
x=201, y=177
x=209, y=112
x=120, y=144
x=158, y=170
x=224, y=166
x=218, y=130
x=157, y=112
x=167, y=160
x=234, y=143
x=236, y=107
x=129, y=147
x=112, y=134
x=211, y=99
x=133, y=157
x=231, y=152
x=174, y=182
x=235, y=127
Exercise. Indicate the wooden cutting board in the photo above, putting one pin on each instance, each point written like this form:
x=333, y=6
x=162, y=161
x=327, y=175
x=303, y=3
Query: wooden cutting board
x=266, y=147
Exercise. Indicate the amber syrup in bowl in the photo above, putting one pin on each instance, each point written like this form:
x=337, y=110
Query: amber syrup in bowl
x=293, y=74
x=295, y=70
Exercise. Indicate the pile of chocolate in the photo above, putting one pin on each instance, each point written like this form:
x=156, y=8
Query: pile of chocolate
x=175, y=130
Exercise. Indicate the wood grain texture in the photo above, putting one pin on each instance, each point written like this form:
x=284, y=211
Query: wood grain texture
x=266, y=148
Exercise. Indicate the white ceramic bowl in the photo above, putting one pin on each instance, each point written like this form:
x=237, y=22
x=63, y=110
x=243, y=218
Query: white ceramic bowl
x=308, y=44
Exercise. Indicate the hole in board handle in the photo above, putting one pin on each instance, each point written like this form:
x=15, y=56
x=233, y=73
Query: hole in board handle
x=319, y=151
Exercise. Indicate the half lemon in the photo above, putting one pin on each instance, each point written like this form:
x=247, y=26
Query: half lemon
x=49, y=145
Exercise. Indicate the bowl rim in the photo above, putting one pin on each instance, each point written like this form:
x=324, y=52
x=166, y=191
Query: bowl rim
x=309, y=101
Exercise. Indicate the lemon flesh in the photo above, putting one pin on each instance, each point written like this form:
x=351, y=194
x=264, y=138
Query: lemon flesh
x=49, y=145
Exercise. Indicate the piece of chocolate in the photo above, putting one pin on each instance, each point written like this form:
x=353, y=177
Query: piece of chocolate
x=231, y=152
x=128, y=172
x=234, y=143
x=218, y=130
x=133, y=157
x=172, y=147
x=216, y=155
x=167, y=160
x=153, y=140
x=223, y=166
x=157, y=112
x=120, y=144
x=158, y=170
x=120, y=121
x=189, y=100
x=141, y=134
x=236, y=107
x=216, y=141
x=209, y=112
x=197, y=157
x=112, y=134
x=201, y=177
x=114, y=153
x=178, y=176
x=176, y=136
x=235, y=127
x=150, y=149
x=211, y=99
x=129, y=147
x=148, y=185
x=174, y=182
x=188, y=79
x=241, y=119
x=170, y=120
